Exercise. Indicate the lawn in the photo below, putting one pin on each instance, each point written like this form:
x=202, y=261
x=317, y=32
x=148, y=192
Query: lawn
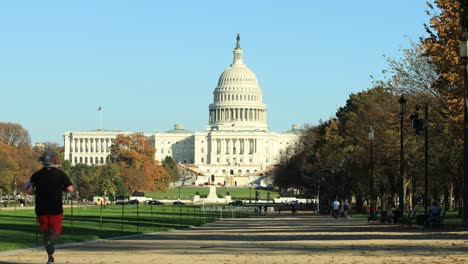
x=189, y=192
x=18, y=228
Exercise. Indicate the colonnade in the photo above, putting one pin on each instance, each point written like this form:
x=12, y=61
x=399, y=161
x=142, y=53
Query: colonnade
x=237, y=114
x=91, y=145
x=239, y=146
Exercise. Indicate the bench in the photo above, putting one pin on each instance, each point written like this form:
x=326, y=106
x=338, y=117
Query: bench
x=387, y=217
x=408, y=220
x=438, y=220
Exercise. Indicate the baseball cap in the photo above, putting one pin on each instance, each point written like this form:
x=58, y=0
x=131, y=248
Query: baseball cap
x=48, y=158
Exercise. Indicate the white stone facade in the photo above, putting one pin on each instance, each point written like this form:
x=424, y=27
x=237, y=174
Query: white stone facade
x=236, y=149
x=89, y=147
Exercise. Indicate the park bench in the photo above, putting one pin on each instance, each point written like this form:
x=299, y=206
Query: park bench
x=408, y=220
x=387, y=217
x=437, y=221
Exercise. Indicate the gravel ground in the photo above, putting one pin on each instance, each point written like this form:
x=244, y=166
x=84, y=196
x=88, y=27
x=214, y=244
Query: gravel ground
x=302, y=238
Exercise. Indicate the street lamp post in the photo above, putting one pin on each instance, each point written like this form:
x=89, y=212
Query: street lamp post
x=371, y=180
x=401, y=205
x=464, y=56
x=419, y=124
x=250, y=196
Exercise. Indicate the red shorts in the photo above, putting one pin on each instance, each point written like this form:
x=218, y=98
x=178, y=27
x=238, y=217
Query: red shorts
x=50, y=222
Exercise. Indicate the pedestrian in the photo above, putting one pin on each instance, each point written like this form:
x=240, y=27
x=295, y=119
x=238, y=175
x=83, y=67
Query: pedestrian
x=48, y=184
x=336, y=208
x=346, y=209
x=435, y=211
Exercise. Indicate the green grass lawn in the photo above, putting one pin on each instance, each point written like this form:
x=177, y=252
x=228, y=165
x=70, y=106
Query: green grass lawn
x=18, y=228
x=189, y=192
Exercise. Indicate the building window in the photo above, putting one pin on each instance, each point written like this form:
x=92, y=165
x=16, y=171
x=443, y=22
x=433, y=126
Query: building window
x=76, y=160
x=202, y=160
x=217, y=159
x=81, y=159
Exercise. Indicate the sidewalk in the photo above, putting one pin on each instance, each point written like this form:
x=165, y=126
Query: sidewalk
x=303, y=238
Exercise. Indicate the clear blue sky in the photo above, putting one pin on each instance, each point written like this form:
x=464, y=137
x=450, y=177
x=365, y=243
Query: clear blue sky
x=151, y=64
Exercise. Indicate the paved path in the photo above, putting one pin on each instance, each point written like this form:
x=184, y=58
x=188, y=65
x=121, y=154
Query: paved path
x=303, y=238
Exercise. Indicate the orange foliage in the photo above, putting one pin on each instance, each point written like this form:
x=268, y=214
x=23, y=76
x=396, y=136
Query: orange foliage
x=443, y=47
x=134, y=155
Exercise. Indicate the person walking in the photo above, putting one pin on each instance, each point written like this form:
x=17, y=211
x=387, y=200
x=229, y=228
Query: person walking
x=48, y=184
x=346, y=209
x=336, y=208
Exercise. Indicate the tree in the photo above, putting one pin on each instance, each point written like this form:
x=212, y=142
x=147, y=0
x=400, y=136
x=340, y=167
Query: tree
x=8, y=168
x=109, y=179
x=442, y=47
x=171, y=167
x=134, y=155
x=85, y=179
x=14, y=135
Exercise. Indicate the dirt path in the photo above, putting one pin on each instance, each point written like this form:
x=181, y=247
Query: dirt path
x=271, y=239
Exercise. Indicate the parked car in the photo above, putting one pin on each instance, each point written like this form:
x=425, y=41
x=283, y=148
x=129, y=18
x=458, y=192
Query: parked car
x=236, y=203
x=178, y=203
x=154, y=202
x=121, y=202
x=133, y=201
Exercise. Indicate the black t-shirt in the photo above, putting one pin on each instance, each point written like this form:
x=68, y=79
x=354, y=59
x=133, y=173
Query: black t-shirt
x=49, y=183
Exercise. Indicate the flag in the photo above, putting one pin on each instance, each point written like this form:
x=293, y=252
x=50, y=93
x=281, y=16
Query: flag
x=99, y=109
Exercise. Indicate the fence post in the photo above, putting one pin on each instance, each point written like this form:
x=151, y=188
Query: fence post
x=137, y=219
x=180, y=216
x=100, y=220
x=71, y=218
x=122, y=218
x=151, y=215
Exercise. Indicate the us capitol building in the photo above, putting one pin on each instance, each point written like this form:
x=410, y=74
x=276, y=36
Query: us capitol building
x=236, y=149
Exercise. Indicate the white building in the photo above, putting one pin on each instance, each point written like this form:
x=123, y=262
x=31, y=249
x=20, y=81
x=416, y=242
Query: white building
x=236, y=149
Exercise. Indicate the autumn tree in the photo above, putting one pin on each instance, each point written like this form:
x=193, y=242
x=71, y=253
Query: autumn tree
x=14, y=135
x=134, y=155
x=8, y=168
x=442, y=47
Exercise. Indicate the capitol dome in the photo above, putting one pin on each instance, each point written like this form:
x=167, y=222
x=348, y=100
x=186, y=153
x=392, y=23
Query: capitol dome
x=237, y=99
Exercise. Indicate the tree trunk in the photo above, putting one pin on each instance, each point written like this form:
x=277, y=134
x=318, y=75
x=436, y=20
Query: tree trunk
x=451, y=203
x=446, y=197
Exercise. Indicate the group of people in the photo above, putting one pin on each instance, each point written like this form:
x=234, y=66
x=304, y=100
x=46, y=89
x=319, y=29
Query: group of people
x=337, y=209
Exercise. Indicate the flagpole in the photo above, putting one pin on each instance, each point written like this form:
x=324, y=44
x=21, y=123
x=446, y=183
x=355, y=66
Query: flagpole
x=100, y=118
